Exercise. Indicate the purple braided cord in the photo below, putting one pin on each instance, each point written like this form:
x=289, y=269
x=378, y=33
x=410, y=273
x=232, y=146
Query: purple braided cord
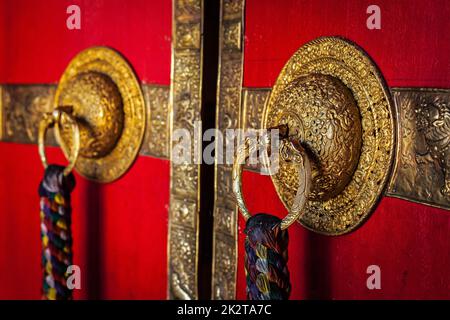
x=266, y=259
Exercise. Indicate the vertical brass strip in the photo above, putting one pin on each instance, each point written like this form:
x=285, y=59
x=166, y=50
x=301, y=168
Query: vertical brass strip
x=228, y=114
x=422, y=168
x=185, y=99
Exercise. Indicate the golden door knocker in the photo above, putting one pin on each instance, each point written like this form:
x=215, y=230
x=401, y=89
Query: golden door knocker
x=336, y=104
x=338, y=115
x=333, y=101
x=55, y=190
x=53, y=119
x=99, y=121
x=266, y=240
x=297, y=155
x=108, y=105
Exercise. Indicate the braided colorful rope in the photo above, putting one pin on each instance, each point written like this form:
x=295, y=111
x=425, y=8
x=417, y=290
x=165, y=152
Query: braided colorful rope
x=56, y=234
x=266, y=259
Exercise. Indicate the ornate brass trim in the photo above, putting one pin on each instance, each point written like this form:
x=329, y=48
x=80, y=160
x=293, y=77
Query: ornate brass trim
x=21, y=109
x=185, y=99
x=157, y=134
x=254, y=101
x=22, y=106
x=422, y=170
x=228, y=116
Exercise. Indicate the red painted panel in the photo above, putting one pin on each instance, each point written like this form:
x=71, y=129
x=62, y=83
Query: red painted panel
x=120, y=229
x=411, y=48
x=36, y=45
x=409, y=242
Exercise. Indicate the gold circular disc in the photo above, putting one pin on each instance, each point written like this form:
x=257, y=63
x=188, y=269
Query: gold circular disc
x=108, y=103
x=342, y=60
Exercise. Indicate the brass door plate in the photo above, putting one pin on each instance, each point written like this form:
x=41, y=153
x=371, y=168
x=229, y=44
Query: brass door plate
x=108, y=105
x=422, y=167
x=336, y=102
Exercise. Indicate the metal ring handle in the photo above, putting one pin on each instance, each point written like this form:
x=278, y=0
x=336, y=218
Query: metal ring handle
x=304, y=169
x=53, y=119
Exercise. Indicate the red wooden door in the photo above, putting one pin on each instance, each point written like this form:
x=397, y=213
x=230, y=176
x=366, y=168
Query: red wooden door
x=409, y=242
x=119, y=229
